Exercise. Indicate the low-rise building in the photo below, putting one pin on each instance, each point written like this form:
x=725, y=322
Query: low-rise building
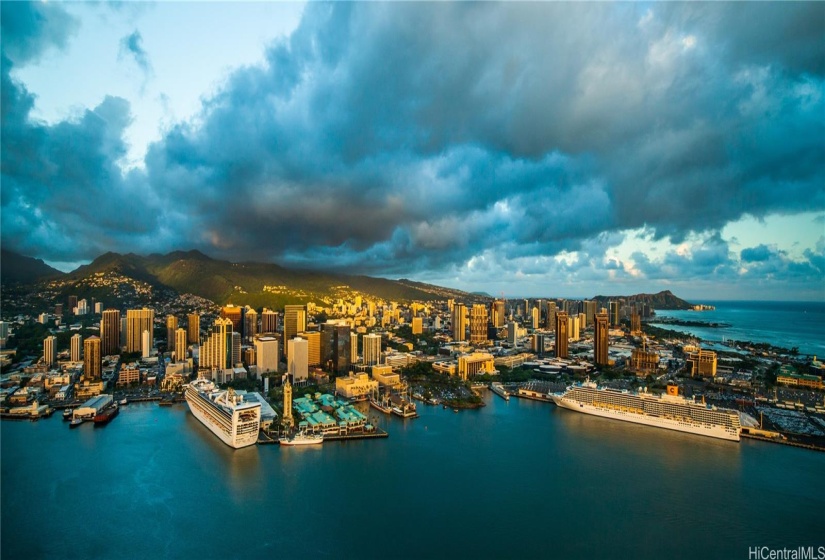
x=477, y=363
x=355, y=385
x=385, y=376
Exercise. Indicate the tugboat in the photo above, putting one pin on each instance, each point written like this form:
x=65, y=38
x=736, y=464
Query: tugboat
x=67, y=414
x=75, y=422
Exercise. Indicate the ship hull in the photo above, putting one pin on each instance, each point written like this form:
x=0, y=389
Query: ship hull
x=235, y=442
x=718, y=432
x=307, y=441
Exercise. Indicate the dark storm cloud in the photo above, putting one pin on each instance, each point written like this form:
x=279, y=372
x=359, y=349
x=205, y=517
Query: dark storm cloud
x=400, y=137
x=132, y=45
x=64, y=195
x=31, y=28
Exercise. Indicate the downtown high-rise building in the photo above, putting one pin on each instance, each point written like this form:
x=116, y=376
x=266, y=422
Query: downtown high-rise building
x=138, y=321
x=110, y=332
x=336, y=348
x=562, y=325
x=181, y=345
x=600, y=338
x=295, y=321
x=216, y=350
x=614, y=313
x=313, y=339
x=171, y=327
x=459, y=320
x=234, y=314
x=50, y=350
x=250, y=324
x=92, y=360
x=478, y=324
x=75, y=348
x=497, y=313
x=193, y=328
x=297, y=360
x=269, y=321
x=266, y=354
x=372, y=349
x=550, y=318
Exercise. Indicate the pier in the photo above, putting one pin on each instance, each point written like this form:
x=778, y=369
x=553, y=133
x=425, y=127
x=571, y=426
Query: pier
x=810, y=446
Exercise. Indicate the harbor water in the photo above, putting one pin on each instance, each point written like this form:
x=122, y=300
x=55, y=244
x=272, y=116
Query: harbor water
x=517, y=479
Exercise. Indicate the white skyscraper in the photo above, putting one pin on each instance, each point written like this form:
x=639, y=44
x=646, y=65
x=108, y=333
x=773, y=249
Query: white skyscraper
x=298, y=359
x=50, y=350
x=145, y=344
x=266, y=354
x=75, y=349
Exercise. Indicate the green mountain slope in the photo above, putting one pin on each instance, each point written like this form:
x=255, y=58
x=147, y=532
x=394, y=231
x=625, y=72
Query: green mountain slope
x=662, y=300
x=19, y=269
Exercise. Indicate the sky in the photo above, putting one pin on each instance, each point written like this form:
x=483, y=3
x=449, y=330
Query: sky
x=531, y=149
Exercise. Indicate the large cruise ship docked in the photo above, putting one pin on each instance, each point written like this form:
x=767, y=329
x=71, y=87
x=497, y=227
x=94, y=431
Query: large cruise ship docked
x=225, y=413
x=670, y=411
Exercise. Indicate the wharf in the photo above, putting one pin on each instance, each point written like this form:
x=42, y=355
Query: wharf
x=499, y=390
x=265, y=439
x=532, y=398
x=784, y=442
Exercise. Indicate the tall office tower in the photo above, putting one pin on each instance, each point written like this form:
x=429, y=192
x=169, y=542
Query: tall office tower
x=138, y=321
x=58, y=309
x=562, y=321
x=372, y=349
x=123, y=328
x=145, y=344
x=234, y=314
x=295, y=321
x=450, y=304
x=269, y=321
x=526, y=308
x=235, y=357
x=550, y=320
x=98, y=308
x=371, y=308
x=512, y=333
x=590, y=311
x=336, y=348
x=171, y=327
x=266, y=354
x=574, y=322
x=92, y=361
x=250, y=323
x=287, y=420
x=635, y=323
x=296, y=362
x=538, y=344
x=498, y=313
x=418, y=324
x=76, y=345
x=4, y=333
x=72, y=304
x=353, y=346
x=181, y=346
x=459, y=322
x=83, y=307
x=478, y=323
x=600, y=338
x=614, y=313
x=535, y=314
x=216, y=350
x=193, y=328
x=313, y=339
x=50, y=350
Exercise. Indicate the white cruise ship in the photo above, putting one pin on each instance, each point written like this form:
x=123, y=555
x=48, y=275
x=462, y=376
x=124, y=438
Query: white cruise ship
x=670, y=411
x=234, y=421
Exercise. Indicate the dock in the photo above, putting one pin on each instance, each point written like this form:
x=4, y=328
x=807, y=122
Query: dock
x=783, y=442
x=371, y=435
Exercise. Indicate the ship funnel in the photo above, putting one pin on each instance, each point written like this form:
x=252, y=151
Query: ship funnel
x=673, y=390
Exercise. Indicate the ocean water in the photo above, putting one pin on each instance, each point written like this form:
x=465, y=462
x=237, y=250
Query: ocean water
x=781, y=323
x=517, y=479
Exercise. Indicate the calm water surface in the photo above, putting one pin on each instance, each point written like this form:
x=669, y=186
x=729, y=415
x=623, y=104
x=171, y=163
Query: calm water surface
x=513, y=480
x=781, y=323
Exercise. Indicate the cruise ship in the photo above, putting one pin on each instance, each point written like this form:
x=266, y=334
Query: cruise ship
x=225, y=413
x=670, y=411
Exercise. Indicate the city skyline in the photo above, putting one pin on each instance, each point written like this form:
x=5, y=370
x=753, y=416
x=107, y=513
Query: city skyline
x=531, y=149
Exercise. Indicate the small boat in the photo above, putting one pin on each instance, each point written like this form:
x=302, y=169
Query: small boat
x=455, y=410
x=123, y=402
x=302, y=438
x=75, y=423
x=67, y=414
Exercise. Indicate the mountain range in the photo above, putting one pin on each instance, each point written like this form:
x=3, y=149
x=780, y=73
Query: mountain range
x=223, y=281
x=252, y=283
